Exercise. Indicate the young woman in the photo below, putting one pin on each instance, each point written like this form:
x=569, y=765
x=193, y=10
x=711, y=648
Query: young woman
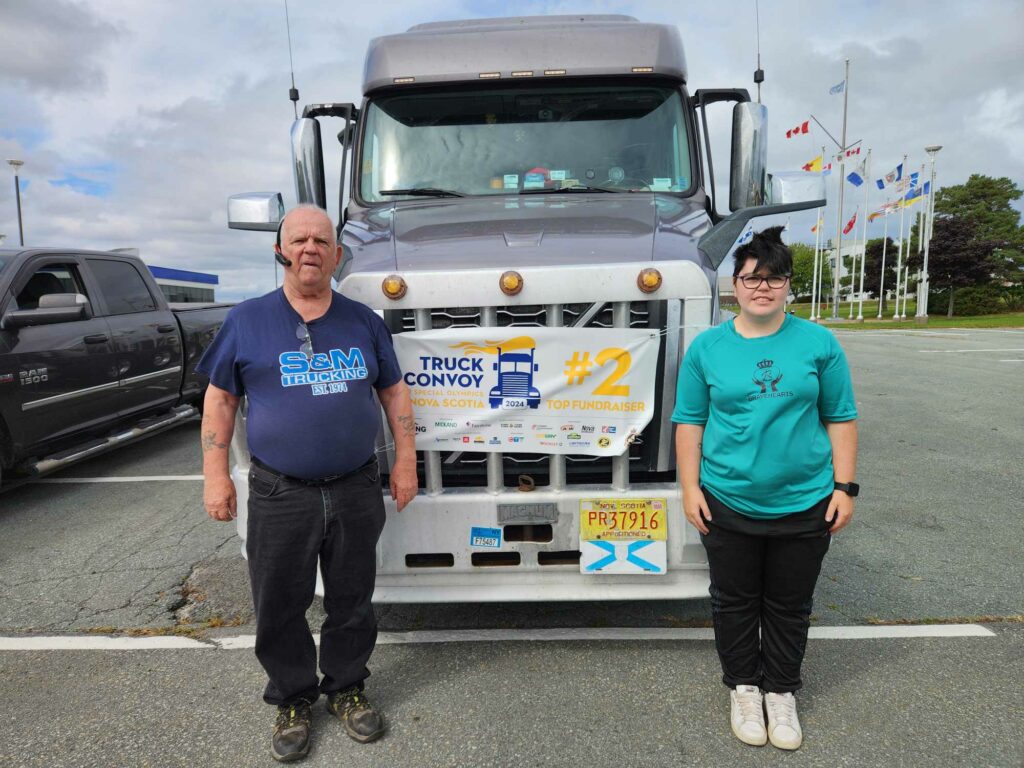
x=767, y=451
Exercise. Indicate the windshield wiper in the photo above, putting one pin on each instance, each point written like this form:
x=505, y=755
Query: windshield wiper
x=422, y=192
x=562, y=190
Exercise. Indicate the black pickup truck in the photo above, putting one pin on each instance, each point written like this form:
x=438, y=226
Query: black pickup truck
x=91, y=357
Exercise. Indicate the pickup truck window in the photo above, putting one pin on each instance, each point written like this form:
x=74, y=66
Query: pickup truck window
x=51, y=278
x=622, y=137
x=122, y=286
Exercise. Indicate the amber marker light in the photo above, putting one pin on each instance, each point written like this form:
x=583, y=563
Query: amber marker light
x=394, y=287
x=649, y=280
x=511, y=283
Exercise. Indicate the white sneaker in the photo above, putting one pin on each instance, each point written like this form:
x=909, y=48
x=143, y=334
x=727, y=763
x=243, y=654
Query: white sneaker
x=747, y=715
x=783, y=724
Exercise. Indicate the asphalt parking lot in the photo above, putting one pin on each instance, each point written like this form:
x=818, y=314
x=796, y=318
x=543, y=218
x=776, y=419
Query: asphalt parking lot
x=120, y=544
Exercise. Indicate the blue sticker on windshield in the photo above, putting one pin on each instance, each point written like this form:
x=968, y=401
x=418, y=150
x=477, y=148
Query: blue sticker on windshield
x=683, y=183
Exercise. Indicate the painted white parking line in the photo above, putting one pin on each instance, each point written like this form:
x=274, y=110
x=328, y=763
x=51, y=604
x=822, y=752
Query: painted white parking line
x=1000, y=349
x=1012, y=361
x=97, y=643
x=122, y=479
x=422, y=637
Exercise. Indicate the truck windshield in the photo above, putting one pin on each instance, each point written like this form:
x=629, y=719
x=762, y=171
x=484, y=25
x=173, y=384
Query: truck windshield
x=4, y=261
x=622, y=137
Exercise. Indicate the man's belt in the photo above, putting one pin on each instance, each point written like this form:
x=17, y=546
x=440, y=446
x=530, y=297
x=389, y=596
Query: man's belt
x=318, y=481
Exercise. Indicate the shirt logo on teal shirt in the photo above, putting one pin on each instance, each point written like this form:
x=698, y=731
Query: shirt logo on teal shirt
x=767, y=375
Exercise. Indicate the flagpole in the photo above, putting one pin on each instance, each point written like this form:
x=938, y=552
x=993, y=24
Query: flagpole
x=814, y=269
x=899, y=258
x=819, y=253
x=853, y=265
x=922, y=306
x=885, y=242
x=839, y=215
x=864, y=245
x=906, y=285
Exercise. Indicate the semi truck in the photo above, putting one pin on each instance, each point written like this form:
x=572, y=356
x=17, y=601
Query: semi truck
x=546, y=172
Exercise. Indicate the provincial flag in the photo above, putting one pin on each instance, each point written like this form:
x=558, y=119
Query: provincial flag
x=814, y=166
x=837, y=88
x=891, y=177
x=849, y=225
x=804, y=127
x=912, y=196
x=885, y=210
x=856, y=176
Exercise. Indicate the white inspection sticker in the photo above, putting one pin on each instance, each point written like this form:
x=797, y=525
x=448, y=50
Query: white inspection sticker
x=485, y=537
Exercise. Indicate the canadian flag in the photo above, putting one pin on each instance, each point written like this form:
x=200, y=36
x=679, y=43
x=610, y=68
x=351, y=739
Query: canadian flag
x=804, y=127
x=849, y=225
x=848, y=154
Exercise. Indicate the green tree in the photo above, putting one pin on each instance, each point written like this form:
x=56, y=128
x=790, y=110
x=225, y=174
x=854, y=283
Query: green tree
x=873, y=267
x=803, y=269
x=985, y=202
x=957, y=258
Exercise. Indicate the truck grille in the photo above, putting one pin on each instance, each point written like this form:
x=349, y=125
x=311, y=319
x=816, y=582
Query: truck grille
x=528, y=315
x=469, y=469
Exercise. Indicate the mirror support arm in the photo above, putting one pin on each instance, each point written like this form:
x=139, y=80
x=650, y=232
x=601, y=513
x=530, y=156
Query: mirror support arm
x=715, y=244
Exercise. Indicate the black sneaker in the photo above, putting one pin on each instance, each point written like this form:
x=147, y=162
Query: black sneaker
x=362, y=722
x=291, y=732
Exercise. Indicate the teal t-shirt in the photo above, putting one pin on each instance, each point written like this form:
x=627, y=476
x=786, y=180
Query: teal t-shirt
x=763, y=403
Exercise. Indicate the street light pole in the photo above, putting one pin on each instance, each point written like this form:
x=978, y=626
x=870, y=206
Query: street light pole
x=922, y=299
x=15, y=165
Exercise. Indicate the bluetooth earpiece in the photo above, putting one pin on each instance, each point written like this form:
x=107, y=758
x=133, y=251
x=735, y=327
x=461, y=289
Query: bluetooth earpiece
x=277, y=249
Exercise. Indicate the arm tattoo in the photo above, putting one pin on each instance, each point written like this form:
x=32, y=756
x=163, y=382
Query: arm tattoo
x=209, y=440
x=408, y=427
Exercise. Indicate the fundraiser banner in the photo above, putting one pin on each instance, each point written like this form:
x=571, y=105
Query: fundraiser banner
x=530, y=390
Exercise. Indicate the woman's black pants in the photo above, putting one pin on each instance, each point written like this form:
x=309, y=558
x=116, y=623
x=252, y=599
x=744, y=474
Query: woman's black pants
x=763, y=574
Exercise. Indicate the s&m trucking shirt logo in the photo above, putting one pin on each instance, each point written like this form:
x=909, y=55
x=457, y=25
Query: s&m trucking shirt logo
x=767, y=376
x=327, y=373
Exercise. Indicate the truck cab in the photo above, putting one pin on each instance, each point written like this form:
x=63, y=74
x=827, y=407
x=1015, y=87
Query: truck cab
x=547, y=172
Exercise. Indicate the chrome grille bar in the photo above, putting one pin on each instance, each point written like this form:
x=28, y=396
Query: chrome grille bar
x=556, y=461
x=620, y=463
x=431, y=459
x=495, y=462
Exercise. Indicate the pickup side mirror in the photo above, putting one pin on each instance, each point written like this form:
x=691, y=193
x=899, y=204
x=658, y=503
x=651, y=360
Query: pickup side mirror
x=53, y=308
x=262, y=211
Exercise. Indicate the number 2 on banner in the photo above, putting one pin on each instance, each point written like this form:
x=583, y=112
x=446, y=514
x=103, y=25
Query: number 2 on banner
x=622, y=359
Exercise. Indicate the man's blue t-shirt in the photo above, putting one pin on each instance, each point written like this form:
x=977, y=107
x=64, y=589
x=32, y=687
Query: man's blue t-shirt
x=763, y=402
x=307, y=419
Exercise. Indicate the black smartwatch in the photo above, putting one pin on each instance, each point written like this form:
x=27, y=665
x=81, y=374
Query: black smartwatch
x=850, y=489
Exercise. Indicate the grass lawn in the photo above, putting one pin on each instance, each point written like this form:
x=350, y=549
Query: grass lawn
x=1005, y=320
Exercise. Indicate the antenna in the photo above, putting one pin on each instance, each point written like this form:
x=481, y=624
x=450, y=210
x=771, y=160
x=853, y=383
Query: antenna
x=758, y=73
x=293, y=92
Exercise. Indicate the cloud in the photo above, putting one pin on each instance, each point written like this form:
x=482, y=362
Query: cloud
x=167, y=109
x=54, y=45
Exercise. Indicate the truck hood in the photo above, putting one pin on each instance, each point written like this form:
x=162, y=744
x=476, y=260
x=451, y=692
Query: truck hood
x=528, y=231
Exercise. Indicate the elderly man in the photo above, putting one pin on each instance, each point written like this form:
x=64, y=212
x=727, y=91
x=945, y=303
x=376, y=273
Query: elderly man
x=308, y=360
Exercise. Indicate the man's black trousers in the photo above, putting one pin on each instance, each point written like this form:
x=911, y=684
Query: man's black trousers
x=763, y=574
x=290, y=526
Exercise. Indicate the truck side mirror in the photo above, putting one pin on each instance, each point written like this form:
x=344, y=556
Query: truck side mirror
x=53, y=308
x=748, y=175
x=261, y=211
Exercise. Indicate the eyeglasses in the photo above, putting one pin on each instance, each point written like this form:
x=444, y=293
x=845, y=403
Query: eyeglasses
x=302, y=332
x=753, y=282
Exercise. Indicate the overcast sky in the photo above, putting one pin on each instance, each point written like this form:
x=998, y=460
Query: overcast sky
x=136, y=120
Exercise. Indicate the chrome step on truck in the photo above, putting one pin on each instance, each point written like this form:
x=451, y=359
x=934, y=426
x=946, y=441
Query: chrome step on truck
x=547, y=177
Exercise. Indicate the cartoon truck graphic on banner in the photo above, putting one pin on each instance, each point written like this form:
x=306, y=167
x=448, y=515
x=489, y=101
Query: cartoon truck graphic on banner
x=515, y=388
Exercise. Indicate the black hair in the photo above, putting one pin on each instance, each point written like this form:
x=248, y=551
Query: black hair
x=767, y=248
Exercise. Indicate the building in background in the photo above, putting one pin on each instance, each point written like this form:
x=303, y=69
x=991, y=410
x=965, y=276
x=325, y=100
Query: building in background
x=184, y=286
